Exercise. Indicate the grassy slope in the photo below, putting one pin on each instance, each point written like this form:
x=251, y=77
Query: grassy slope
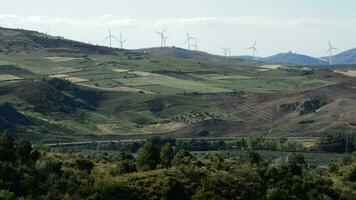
x=176, y=104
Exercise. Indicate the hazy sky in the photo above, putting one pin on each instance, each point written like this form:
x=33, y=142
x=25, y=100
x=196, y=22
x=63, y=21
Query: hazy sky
x=302, y=26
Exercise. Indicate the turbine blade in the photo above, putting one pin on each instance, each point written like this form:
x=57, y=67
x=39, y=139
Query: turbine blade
x=327, y=51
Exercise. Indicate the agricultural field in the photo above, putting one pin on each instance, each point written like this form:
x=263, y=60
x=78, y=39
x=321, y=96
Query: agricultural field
x=140, y=94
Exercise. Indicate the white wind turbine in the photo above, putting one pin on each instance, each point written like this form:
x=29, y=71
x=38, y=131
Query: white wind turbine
x=121, y=41
x=227, y=51
x=163, y=38
x=110, y=37
x=254, y=50
x=330, y=51
x=189, y=38
x=195, y=45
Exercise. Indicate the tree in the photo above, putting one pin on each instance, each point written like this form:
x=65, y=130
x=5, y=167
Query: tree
x=84, y=164
x=23, y=151
x=6, y=147
x=166, y=155
x=6, y=195
x=172, y=189
x=123, y=167
x=182, y=158
x=254, y=158
x=148, y=157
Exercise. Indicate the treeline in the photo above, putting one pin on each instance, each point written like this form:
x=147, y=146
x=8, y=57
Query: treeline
x=162, y=171
x=340, y=143
x=250, y=143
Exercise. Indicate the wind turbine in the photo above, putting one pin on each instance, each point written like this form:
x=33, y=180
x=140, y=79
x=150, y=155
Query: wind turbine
x=189, y=38
x=163, y=38
x=227, y=51
x=254, y=50
x=330, y=50
x=195, y=45
x=121, y=41
x=110, y=37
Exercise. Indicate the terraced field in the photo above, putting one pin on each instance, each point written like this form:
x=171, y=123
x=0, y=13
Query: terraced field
x=142, y=94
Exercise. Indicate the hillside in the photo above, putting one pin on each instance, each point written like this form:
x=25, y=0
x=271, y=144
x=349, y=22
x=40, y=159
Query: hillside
x=192, y=55
x=74, y=91
x=293, y=59
x=346, y=57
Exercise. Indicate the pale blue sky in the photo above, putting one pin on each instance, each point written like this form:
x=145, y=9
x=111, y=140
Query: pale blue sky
x=302, y=26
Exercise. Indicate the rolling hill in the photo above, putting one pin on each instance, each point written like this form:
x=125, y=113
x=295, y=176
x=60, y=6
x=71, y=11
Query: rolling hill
x=64, y=90
x=293, y=59
x=181, y=53
x=346, y=57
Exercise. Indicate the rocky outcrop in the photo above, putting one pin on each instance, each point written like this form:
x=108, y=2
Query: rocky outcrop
x=304, y=107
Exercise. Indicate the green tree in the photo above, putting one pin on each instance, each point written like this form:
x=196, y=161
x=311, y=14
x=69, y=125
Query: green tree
x=84, y=164
x=166, y=155
x=148, y=157
x=172, y=189
x=6, y=195
x=7, y=145
x=254, y=158
x=182, y=157
x=123, y=167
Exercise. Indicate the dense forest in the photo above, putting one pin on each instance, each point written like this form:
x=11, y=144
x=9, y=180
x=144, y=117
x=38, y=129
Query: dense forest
x=163, y=170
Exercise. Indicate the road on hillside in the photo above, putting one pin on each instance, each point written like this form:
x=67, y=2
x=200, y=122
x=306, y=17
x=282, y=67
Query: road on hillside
x=81, y=143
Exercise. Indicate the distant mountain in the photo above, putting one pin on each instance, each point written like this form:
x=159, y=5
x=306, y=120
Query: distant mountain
x=294, y=59
x=191, y=55
x=346, y=57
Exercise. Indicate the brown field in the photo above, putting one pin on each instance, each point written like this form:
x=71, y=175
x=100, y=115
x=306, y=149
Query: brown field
x=144, y=74
x=58, y=76
x=76, y=79
x=62, y=59
x=271, y=66
x=120, y=70
x=351, y=73
x=117, y=89
x=9, y=77
x=164, y=127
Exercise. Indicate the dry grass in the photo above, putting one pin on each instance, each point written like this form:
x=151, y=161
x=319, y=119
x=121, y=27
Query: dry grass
x=58, y=76
x=223, y=77
x=164, y=127
x=120, y=70
x=76, y=79
x=271, y=66
x=118, y=89
x=62, y=59
x=9, y=77
x=351, y=73
x=143, y=74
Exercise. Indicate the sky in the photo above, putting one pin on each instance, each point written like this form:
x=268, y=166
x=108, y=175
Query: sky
x=301, y=26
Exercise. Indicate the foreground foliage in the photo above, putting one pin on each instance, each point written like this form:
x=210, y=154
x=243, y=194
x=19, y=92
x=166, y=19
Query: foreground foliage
x=162, y=171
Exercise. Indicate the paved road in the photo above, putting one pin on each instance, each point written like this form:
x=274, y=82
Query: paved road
x=61, y=144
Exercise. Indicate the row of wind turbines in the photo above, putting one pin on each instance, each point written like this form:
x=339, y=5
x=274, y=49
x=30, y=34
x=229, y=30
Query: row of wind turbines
x=192, y=43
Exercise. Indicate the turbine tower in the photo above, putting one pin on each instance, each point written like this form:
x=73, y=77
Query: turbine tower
x=189, y=38
x=110, y=37
x=121, y=41
x=330, y=51
x=163, y=38
x=195, y=45
x=254, y=50
x=227, y=51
